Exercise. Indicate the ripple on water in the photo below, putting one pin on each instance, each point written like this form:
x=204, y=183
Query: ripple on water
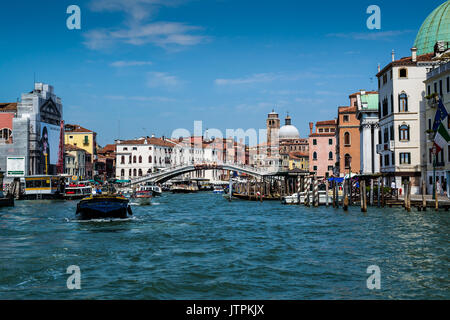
x=200, y=246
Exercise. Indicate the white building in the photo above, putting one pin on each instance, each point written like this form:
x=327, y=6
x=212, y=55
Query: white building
x=367, y=114
x=402, y=128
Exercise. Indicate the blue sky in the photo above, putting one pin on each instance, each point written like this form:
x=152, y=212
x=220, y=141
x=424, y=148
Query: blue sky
x=157, y=65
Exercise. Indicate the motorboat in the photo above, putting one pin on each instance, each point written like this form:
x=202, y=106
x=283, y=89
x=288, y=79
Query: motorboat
x=143, y=195
x=74, y=191
x=101, y=206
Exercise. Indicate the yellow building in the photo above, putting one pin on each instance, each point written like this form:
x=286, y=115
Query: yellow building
x=82, y=138
x=298, y=160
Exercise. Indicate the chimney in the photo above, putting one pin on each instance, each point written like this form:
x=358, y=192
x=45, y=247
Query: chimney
x=379, y=68
x=311, y=126
x=393, y=55
x=153, y=135
x=414, y=54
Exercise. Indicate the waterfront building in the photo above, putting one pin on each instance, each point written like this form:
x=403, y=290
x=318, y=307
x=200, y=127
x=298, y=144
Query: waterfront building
x=403, y=150
x=75, y=161
x=437, y=85
x=105, y=166
x=402, y=121
x=322, y=147
x=30, y=143
x=299, y=160
x=347, y=139
x=367, y=115
x=139, y=157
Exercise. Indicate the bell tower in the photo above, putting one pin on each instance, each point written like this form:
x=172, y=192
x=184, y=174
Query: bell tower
x=273, y=128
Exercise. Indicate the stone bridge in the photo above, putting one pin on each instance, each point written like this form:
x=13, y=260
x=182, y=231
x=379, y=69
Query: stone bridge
x=169, y=173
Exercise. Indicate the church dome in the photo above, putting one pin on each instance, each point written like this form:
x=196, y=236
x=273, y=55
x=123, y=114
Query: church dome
x=436, y=27
x=288, y=132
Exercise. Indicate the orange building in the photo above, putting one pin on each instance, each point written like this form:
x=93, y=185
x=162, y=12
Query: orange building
x=348, y=139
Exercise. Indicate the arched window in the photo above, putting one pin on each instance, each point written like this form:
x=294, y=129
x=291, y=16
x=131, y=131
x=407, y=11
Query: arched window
x=140, y=172
x=347, y=160
x=129, y=173
x=315, y=155
x=5, y=134
x=403, y=103
x=122, y=160
x=404, y=132
x=330, y=155
x=347, y=139
x=129, y=161
x=149, y=159
x=134, y=159
x=140, y=159
x=122, y=172
x=134, y=172
x=403, y=73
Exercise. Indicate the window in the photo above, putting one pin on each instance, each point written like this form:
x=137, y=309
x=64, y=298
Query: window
x=129, y=173
x=386, y=160
x=134, y=172
x=86, y=140
x=347, y=139
x=134, y=159
x=429, y=124
x=315, y=155
x=129, y=161
x=347, y=161
x=320, y=130
x=391, y=133
x=5, y=134
x=122, y=172
x=440, y=88
x=403, y=102
x=70, y=137
x=122, y=160
x=384, y=78
x=403, y=73
x=134, y=148
x=330, y=168
x=448, y=84
x=435, y=87
x=140, y=173
x=405, y=158
x=149, y=159
x=315, y=142
x=330, y=155
x=346, y=118
x=330, y=142
x=404, y=132
x=390, y=74
x=385, y=107
x=392, y=103
x=429, y=89
x=125, y=148
x=386, y=135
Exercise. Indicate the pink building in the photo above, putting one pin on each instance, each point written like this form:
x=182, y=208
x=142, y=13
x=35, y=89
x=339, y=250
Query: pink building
x=322, y=148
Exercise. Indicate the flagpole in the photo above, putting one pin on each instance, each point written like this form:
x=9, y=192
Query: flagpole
x=434, y=173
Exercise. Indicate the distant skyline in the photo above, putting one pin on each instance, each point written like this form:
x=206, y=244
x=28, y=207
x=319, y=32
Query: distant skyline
x=156, y=66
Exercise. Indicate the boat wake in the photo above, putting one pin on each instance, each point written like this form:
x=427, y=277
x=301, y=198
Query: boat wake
x=103, y=220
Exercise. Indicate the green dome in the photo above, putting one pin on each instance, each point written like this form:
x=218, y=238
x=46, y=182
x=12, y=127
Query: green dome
x=435, y=28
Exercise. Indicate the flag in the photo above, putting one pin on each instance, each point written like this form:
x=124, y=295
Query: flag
x=441, y=114
x=442, y=138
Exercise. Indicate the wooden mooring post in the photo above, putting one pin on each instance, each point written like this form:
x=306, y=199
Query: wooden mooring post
x=424, y=192
x=334, y=193
x=436, y=201
x=326, y=189
x=363, y=195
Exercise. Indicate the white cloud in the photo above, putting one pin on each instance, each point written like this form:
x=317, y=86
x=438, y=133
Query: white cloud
x=162, y=79
x=255, y=78
x=120, y=64
x=138, y=31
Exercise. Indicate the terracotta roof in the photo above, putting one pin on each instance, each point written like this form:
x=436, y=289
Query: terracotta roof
x=75, y=128
x=327, y=122
x=107, y=148
x=150, y=141
x=358, y=93
x=347, y=109
x=69, y=147
x=407, y=61
x=8, y=107
x=324, y=134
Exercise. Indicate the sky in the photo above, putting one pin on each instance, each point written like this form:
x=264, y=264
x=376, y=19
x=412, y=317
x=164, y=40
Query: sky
x=143, y=67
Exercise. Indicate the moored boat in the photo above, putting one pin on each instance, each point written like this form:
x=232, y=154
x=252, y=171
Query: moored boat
x=77, y=191
x=5, y=200
x=101, y=206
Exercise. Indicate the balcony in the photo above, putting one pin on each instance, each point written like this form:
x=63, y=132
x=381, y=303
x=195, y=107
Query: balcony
x=385, y=147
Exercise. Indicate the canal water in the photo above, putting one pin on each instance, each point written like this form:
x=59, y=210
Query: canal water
x=200, y=246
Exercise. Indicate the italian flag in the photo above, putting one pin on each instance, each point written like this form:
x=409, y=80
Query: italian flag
x=441, y=139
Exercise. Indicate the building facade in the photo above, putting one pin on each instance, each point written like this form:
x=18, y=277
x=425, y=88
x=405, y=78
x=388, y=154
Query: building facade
x=322, y=148
x=32, y=145
x=75, y=161
x=367, y=115
x=347, y=139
